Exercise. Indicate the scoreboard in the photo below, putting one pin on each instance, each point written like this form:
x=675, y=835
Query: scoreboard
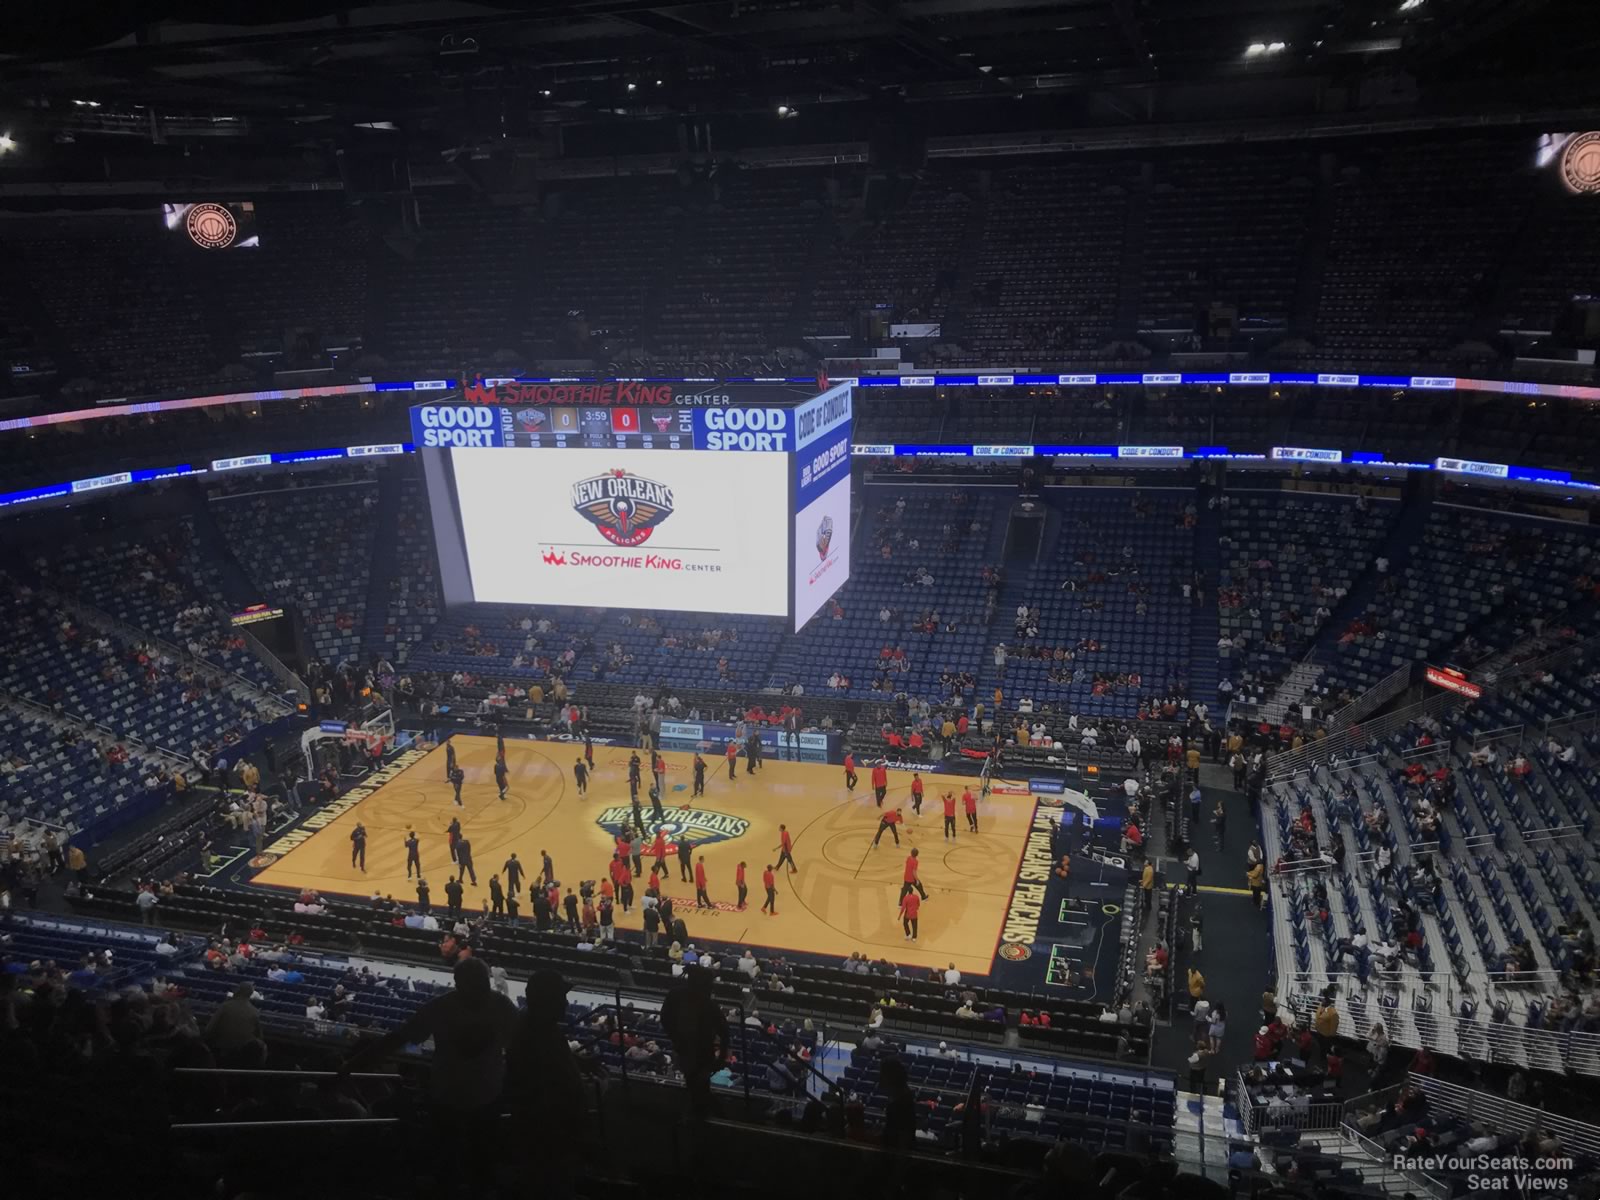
x=570, y=503
x=762, y=429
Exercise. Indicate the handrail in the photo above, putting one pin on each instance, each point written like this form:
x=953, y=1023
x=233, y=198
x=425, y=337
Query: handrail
x=275, y=665
x=1375, y=697
x=1289, y=763
x=127, y=630
x=1500, y=1110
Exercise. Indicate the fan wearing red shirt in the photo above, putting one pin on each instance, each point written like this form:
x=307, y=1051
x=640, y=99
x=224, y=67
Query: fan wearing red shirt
x=701, y=900
x=970, y=803
x=910, y=877
x=770, y=907
x=786, y=848
x=849, y=771
x=949, y=800
x=880, y=782
x=738, y=882
x=733, y=756
x=916, y=794
x=910, y=905
x=962, y=725
x=891, y=822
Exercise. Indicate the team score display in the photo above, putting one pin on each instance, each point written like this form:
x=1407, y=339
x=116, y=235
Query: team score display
x=822, y=463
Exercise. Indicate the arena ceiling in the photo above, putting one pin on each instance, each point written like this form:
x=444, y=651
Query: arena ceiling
x=812, y=70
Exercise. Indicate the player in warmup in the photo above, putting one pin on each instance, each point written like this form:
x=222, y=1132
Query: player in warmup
x=910, y=905
x=580, y=772
x=738, y=882
x=880, y=780
x=413, y=853
x=513, y=873
x=464, y=859
x=547, y=868
x=733, y=755
x=948, y=799
x=588, y=748
x=916, y=794
x=699, y=776
x=889, y=821
x=786, y=846
x=453, y=831
x=501, y=776
x=685, y=853
x=457, y=778
x=449, y=762
x=499, y=745
x=658, y=768
x=701, y=900
x=987, y=775
x=658, y=851
x=910, y=878
x=633, y=776
x=849, y=771
x=969, y=802
x=358, y=846
x=769, y=881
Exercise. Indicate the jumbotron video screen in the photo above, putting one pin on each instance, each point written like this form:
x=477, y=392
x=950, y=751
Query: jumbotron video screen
x=736, y=501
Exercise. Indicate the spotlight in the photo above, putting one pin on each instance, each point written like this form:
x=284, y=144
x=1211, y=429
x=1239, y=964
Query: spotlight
x=544, y=91
x=633, y=87
x=7, y=142
x=1255, y=48
x=783, y=110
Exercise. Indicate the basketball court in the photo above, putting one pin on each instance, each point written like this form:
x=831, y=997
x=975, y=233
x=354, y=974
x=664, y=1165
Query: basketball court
x=844, y=897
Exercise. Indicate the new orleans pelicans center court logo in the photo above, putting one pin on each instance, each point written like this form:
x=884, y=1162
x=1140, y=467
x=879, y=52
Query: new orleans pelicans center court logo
x=699, y=825
x=624, y=507
x=211, y=227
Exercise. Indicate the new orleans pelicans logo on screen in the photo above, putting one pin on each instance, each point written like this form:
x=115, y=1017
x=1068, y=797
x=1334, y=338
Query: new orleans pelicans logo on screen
x=699, y=825
x=824, y=537
x=624, y=507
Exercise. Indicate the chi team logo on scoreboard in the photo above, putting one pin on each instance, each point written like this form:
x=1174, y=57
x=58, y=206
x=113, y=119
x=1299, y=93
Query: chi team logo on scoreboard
x=824, y=537
x=624, y=507
x=211, y=226
x=699, y=825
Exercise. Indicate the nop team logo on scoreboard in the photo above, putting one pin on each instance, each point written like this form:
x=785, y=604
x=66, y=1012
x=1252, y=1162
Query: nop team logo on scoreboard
x=624, y=508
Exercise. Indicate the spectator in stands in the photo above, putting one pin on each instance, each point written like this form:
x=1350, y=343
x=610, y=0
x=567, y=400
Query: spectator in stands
x=234, y=1031
x=544, y=1090
x=471, y=1027
x=699, y=1032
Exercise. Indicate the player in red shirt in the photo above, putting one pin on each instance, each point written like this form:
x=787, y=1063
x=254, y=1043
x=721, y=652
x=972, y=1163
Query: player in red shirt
x=786, y=848
x=770, y=907
x=849, y=771
x=916, y=794
x=910, y=878
x=738, y=881
x=890, y=821
x=658, y=851
x=880, y=782
x=701, y=900
x=910, y=905
x=949, y=801
x=733, y=756
x=970, y=803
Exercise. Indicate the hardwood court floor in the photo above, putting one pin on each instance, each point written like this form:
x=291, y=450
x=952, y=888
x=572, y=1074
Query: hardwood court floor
x=844, y=897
